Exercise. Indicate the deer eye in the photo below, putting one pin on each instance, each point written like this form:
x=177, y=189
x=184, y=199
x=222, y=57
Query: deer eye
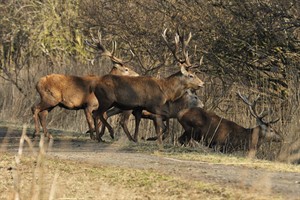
x=126, y=69
x=191, y=76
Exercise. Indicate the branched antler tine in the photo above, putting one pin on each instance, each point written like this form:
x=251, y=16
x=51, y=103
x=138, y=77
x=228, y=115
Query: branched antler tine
x=131, y=57
x=174, y=52
x=97, y=43
x=184, y=47
x=189, y=39
x=93, y=38
x=250, y=105
x=201, y=61
x=114, y=44
x=111, y=54
x=253, y=109
x=187, y=59
x=99, y=36
x=274, y=121
x=90, y=45
x=244, y=98
x=253, y=112
x=186, y=42
x=177, y=39
x=265, y=113
x=164, y=35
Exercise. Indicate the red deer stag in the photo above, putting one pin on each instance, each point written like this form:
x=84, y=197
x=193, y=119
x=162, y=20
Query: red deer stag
x=219, y=132
x=188, y=100
x=145, y=93
x=73, y=92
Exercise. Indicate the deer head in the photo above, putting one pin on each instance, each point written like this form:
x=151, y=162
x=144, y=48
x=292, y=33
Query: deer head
x=118, y=63
x=266, y=130
x=183, y=62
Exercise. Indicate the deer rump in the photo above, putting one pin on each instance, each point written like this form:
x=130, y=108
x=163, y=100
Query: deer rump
x=70, y=92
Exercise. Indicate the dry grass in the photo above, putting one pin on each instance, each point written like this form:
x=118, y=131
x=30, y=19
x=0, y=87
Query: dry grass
x=61, y=179
x=237, y=161
x=205, y=154
x=34, y=175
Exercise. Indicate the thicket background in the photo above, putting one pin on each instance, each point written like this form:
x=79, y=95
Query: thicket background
x=251, y=46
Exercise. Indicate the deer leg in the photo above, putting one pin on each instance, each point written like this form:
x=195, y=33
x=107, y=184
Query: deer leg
x=89, y=119
x=166, y=129
x=35, y=111
x=124, y=122
x=97, y=122
x=102, y=131
x=182, y=139
x=109, y=113
x=253, y=143
x=138, y=115
x=100, y=115
x=43, y=117
x=105, y=123
x=40, y=112
x=187, y=134
x=158, y=124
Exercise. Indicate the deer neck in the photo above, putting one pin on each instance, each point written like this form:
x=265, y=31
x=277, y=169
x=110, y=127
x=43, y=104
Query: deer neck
x=173, y=88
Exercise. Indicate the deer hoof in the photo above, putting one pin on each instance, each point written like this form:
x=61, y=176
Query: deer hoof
x=92, y=136
x=36, y=135
x=112, y=136
x=100, y=140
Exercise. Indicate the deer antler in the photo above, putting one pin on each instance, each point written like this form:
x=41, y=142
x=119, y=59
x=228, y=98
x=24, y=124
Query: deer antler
x=100, y=48
x=252, y=108
x=174, y=51
x=184, y=43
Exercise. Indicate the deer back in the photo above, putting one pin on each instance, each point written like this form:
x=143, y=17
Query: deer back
x=188, y=100
x=210, y=127
x=71, y=91
x=130, y=92
x=143, y=91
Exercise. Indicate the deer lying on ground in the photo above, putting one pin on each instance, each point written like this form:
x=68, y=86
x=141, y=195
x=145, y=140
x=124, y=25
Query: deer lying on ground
x=188, y=100
x=73, y=92
x=218, y=132
x=145, y=93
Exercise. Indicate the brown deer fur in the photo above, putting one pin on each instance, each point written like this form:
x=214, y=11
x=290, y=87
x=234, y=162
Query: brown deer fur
x=142, y=93
x=70, y=92
x=188, y=100
x=219, y=132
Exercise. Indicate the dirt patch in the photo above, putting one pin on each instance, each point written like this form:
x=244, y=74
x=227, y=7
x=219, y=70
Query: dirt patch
x=266, y=183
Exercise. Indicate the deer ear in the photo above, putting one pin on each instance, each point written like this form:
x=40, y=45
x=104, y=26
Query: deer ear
x=118, y=66
x=183, y=70
x=259, y=122
x=189, y=92
x=263, y=127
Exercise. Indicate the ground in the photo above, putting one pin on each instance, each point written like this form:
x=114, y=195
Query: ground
x=85, y=169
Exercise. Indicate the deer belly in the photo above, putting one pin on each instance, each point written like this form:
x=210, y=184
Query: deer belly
x=72, y=103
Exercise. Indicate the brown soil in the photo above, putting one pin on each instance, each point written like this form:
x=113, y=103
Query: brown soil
x=119, y=154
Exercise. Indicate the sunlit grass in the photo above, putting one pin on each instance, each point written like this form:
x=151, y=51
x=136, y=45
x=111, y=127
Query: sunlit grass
x=203, y=154
x=82, y=180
